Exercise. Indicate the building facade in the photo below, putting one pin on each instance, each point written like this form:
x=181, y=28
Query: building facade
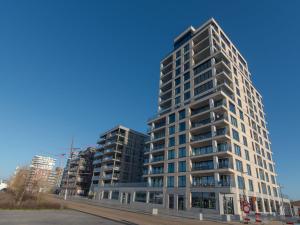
x=40, y=171
x=210, y=146
x=118, y=159
x=78, y=173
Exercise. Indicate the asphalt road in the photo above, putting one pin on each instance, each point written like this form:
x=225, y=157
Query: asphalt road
x=52, y=217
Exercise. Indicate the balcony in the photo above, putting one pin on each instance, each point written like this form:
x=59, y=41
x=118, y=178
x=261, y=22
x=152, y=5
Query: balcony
x=219, y=103
x=98, y=154
x=201, y=123
x=202, y=150
x=201, y=137
x=157, y=159
x=204, y=165
x=107, y=151
x=157, y=170
x=200, y=110
x=223, y=147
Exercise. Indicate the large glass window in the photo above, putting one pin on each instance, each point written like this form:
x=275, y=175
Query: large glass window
x=199, y=79
x=249, y=172
x=181, y=181
x=182, y=126
x=186, y=76
x=237, y=150
x=172, y=118
x=156, y=198
x=202, y=88
x=171, y=154
x=171, y=130
x=206, y=200
x=171, y=168
x=232, y=107
x=181, y=166
x=181, y=152
x=239, y=165
x=187, y=95
x=202, y=67
x=171, y=141
x=250, y=185
x=233, y=121
x=241, y=182
x=235, y=135
x=182, y=139
x=170, y=181
x=140, y=196
x=181, y=114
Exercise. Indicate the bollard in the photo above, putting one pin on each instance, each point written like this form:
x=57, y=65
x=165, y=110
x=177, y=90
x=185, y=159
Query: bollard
x=226, y=218
x=200, y=216
x=154, y=211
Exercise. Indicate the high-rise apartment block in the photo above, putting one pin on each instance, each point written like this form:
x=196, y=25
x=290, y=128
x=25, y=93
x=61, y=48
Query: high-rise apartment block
x=40, y=171
x=119, y=158
x=77, y=175
x=209, y=146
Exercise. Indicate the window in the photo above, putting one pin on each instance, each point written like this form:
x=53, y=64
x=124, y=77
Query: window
x=239, y=102
x=234, y=121
x=177, y=72
x=178, y=54
x=182, y=139
x=181, y=181
x=140, y=196
x=187, y=95
x=170, y=181
x=171, y=141
x=245, y=141
x=187, y=86
x=273, y=179
x=241, y=182
x=171, y=130
x=186, y=66
x=237, y=150
x=186, y=57
x=177, y=81
x=247, y=155
x=241, y=115
x=182, y=126
x=115, y=195
x=181, y=166
x=243, y=128
x=239, y=165
x=238, y=92
x=186, y=76
x=181, y=152
x=181, y=114
x=172, y=118
x=249, y=172
x=205, y=200
x=156, y=198
x=250, y=185
x=235, y=135
x=178, y=62
x=186, y=48
x=171, y=168
x=202, y=88
x=177, y=100
x=171, y=154
x=275, y=192
x=177, y=91
x=232, y=107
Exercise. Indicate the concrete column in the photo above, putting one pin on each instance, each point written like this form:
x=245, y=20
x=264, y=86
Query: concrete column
x=211, y=103
x=217, y=178
x=216, y=161
x=109, y=194
x=215, y=146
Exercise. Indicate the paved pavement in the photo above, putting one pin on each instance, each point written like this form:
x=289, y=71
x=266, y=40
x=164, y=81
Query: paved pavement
x=52, y=217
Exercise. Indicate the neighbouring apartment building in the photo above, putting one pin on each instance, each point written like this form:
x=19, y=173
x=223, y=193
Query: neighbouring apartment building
x=118, y=159
x=78, y=173
x=40, y=171
x=209, y=149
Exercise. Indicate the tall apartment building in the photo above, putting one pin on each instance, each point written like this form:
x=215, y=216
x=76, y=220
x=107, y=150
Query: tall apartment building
x=119, y=158
x=40, y=171
x=209, y=146
x=78, y=173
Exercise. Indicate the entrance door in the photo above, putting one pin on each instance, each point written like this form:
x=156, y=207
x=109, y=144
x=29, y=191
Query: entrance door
x=171, y=201
x=181, y=202
x=128, y=198
x=228, y=205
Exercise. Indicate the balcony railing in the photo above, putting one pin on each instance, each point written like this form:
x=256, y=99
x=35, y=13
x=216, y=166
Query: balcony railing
x=223, y=147
x=157, y=159
x=202, y=150
x=200, y=110
x=201, y=136
x=201, y=123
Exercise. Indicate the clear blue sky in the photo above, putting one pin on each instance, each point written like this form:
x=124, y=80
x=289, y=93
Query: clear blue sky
x=80, y=67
